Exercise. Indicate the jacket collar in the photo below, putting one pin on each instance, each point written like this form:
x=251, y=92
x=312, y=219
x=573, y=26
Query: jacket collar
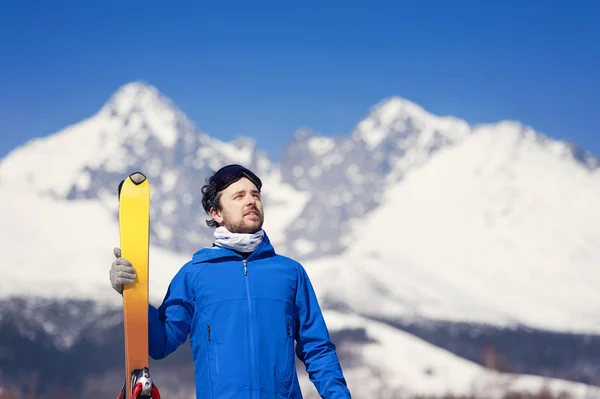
x=212, y=254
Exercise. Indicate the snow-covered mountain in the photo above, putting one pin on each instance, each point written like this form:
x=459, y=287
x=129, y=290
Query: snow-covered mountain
x=137, y=129
x=411, y=219
x=140, y=128
x=501, y=229
x=347, y=176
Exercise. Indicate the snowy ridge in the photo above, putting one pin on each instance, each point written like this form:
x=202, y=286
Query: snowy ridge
x=36, y=165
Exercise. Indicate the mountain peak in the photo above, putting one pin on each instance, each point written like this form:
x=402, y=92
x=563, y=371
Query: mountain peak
x=135, y=122
x=144, y=105
x=134, y=96
x=396, y=115
x=394, y=106
x=139, y=108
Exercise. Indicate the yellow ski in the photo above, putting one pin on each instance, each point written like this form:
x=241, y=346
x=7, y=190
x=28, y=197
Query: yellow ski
x=134, y=229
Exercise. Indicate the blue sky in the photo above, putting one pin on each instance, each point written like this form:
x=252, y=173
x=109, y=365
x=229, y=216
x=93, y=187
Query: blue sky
x=264, y=69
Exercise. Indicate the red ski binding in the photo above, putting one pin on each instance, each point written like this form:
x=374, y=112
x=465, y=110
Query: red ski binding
x=142, y=386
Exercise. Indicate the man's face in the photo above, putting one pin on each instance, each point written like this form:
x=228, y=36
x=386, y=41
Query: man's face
x=241, y=208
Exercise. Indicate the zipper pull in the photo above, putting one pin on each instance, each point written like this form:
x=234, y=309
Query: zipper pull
x=245, y=268
x=288, y=330
x=209, y=333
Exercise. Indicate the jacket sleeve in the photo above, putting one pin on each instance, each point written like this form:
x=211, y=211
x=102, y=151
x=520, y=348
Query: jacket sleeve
x=169, y=325
x=314, y=346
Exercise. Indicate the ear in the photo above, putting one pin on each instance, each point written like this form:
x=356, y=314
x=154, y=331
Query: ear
x=216, y=216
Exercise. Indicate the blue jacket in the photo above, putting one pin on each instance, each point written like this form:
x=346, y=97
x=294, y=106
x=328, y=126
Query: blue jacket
x=242, y=317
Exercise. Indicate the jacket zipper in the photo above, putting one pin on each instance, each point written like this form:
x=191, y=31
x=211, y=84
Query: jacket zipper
x=214, y=349
x=251, y=327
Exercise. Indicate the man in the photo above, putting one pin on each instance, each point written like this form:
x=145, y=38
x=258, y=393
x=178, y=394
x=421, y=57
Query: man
x=242, y=305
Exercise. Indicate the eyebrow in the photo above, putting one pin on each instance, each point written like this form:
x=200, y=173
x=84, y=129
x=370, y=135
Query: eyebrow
x=253, y=191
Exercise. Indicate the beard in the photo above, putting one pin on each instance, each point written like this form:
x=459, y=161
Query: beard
x=245, y=225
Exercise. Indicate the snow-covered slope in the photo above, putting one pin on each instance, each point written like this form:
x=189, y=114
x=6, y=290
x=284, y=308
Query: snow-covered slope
x=502, y=228
x=60, y=249
x=63, y=249
x=395, y=364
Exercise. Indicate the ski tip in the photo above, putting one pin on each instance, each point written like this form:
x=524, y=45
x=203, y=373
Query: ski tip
x=137, y=177
x=119, y=189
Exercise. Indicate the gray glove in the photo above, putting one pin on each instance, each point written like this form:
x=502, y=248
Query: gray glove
x=121, y=272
